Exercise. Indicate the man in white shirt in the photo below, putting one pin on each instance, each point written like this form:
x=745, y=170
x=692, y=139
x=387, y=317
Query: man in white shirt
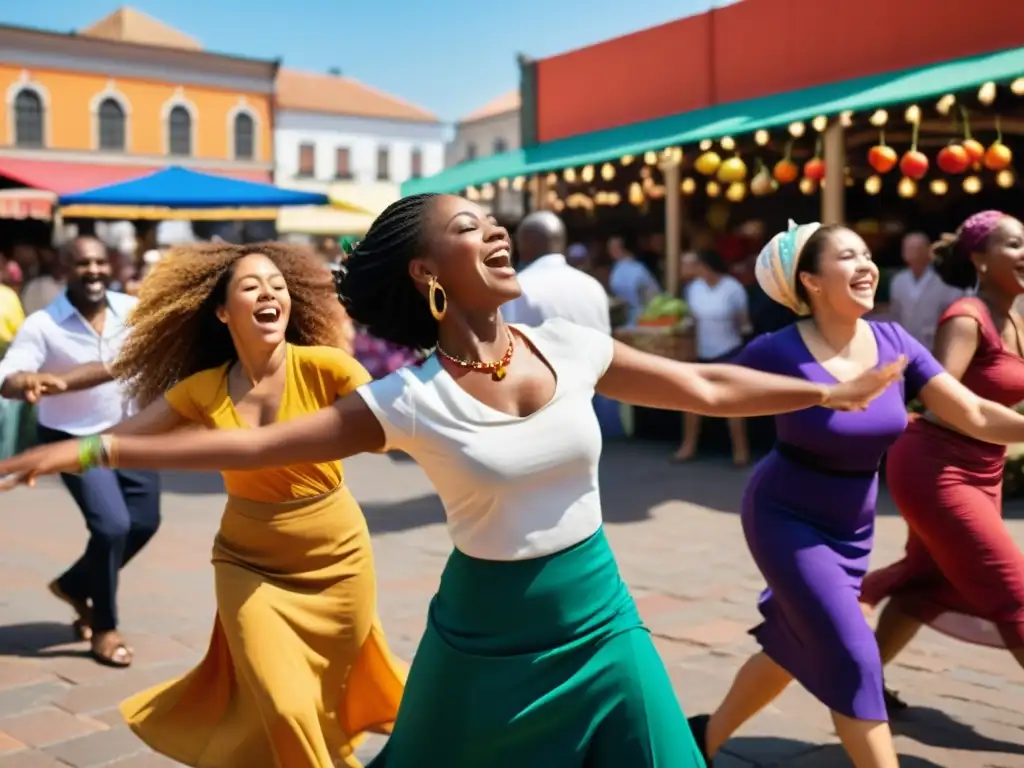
x=59, y=358
x=917, y=295
x=551, y=286
x=630, y=280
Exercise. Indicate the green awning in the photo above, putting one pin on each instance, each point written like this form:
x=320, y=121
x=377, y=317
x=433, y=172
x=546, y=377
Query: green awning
x=734, y=119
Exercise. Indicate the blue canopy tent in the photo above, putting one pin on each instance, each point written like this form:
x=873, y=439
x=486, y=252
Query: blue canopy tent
x=180, y=193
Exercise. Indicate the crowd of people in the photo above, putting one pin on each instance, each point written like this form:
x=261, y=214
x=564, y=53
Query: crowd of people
x=534, y=652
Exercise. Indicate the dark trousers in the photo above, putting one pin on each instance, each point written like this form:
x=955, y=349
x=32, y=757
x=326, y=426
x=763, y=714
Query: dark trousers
x=122, y=512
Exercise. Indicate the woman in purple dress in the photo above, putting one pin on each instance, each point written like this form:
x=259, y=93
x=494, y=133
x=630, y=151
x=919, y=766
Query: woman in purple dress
x=809, y=508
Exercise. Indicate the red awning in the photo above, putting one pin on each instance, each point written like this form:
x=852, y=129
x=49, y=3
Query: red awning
x=65, y=178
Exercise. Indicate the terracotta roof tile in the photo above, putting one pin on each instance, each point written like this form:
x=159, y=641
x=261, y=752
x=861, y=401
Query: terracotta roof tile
x=127, y=25
x=336, y=95
x=507, y=102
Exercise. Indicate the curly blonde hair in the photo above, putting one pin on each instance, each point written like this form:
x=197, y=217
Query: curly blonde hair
x=174, y=331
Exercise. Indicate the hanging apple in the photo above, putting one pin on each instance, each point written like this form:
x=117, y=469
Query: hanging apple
x=762, y=184
x=814, y=169
x=974, y=149
x=998, y=156
x=914, y=164
x=953, y=159
x=881, y=157
x=707, y=163
x=732, y=170
x=785, y=171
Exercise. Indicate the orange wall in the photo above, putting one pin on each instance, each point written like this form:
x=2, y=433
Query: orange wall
x=71, y=122
x=756, y=48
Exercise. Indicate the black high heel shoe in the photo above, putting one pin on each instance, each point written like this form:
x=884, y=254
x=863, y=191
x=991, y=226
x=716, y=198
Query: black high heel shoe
x=699, y=728
x=893, y=703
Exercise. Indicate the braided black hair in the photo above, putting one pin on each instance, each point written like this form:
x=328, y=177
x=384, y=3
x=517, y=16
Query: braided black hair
x=374, y=283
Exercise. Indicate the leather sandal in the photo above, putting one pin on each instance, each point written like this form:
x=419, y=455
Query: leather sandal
x=80, y=625
x=111, y=653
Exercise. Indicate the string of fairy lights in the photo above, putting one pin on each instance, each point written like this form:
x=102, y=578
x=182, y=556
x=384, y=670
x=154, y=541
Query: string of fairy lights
x=732, y=170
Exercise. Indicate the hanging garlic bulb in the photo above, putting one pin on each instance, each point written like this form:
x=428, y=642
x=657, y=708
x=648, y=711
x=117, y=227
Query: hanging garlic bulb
x=873, y=185
x=938, y=187
x=607, y=171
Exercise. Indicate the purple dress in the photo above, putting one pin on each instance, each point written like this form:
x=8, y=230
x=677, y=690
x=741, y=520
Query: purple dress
x=809, y=519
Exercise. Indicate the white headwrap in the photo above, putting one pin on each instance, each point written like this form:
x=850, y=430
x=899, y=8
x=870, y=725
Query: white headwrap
x=776, y=265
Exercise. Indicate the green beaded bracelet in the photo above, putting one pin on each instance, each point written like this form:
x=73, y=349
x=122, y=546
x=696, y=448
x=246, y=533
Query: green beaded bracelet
x=91, y=453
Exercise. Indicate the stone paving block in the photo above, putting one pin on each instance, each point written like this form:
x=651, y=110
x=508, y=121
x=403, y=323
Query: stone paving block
x=98, y=749
x=680, y=548
x=48, y=726
x=145, y=760
x=9, y=744
x=15, y=673
x=772, y=738
x=709, y=634
x=30, y=759
x=18, y=701
x=110, y=691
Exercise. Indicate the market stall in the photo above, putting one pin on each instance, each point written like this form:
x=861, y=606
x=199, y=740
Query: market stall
x=176, y=193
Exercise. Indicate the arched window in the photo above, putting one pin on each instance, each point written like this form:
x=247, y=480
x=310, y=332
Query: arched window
x=179, y=131
x=500, y=145
x=111, y=125
x=245, y=136
x=29, y=115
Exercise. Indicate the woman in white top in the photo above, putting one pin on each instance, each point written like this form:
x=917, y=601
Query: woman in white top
x=534, y=653
x=718, y=306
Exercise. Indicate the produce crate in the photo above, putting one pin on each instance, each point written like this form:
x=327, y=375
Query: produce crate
x=675, y=342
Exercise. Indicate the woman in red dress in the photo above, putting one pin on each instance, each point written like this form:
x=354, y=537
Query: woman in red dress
x=962, y=574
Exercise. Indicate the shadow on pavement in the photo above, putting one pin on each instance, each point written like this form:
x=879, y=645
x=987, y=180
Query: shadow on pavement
x=392, y=517
x=935, y=728
x=41, y=639
x=775, y=752
x=192, y=483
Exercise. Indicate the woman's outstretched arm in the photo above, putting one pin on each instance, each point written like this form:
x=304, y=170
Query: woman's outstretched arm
x=340, y=430
x=639, y=378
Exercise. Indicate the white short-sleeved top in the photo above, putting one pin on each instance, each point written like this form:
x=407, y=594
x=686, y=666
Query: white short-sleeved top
x=513, y=488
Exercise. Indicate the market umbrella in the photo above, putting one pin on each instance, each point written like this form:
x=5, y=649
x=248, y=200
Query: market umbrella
x=181, y=193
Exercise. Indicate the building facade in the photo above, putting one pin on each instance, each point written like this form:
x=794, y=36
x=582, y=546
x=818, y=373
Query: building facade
x=491, y=130
x=125, y=97
x=338, y=136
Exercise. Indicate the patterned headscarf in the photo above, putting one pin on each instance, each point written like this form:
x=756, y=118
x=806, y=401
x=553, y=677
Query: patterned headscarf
x=972, y=234
x=776, y=265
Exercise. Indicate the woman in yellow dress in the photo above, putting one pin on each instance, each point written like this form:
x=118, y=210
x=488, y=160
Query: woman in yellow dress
x=235, y=337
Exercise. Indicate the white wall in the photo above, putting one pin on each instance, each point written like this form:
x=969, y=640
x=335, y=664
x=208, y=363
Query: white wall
x=483, y=133
x=363, y=137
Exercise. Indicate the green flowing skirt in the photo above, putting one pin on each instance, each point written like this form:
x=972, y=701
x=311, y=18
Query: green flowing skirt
x=542, y=663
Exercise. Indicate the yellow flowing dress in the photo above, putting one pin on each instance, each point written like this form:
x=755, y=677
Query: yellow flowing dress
x=298, y=667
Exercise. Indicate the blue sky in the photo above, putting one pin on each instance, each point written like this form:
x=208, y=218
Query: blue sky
x=450, y=56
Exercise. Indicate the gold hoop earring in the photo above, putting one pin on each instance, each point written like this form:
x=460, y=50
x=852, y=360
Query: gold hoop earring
x=435, y=292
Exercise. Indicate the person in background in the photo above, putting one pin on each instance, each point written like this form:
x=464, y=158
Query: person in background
x=551, y=287
x=330, y=251
x=718, y=306
x=11, y=318
x=83, y=327
x=630, y=280
x=12, y=315
x=917, y=296
x=651, y=253
x=963, y=573
x=46, y=286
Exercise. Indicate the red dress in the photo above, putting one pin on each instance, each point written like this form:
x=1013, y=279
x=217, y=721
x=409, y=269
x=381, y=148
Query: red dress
x=962, y=574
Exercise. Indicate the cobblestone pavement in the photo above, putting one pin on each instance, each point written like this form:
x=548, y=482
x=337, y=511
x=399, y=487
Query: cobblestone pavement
x=680, y=547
